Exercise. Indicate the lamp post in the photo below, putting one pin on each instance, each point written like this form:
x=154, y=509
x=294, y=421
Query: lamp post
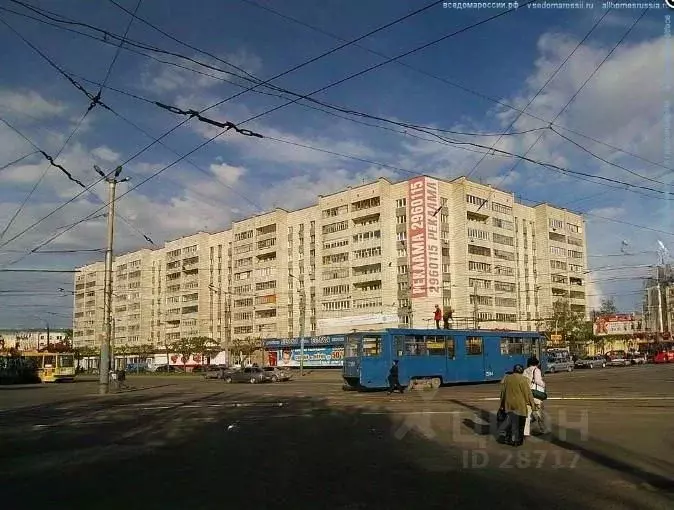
x=218, y=291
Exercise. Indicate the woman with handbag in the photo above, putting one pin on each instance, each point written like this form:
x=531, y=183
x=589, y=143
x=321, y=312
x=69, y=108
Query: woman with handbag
x=535, y=377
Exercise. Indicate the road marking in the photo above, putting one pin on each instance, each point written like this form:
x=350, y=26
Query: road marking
x=594, y=398
x=155, y=407
x=411, y=412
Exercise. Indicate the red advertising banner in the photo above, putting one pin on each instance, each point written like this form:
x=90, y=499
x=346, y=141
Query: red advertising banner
x=617, y=324
x=423, y=243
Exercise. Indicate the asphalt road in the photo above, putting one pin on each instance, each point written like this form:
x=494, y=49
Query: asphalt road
x=173, y=442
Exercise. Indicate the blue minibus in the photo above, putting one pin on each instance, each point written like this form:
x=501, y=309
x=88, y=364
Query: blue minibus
x=436, y=356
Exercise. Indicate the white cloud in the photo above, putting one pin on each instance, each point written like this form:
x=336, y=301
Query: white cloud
x=30, y=103
x=106, y=154
x=227, y=173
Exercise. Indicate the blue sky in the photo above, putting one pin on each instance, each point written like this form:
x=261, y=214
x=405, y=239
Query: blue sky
x=508, y=59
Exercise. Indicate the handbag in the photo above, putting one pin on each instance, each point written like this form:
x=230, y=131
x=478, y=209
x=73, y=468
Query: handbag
x=538, y=391
x=501, y=416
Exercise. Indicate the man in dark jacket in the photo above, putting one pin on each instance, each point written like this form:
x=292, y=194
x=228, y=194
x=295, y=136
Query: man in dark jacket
x=393, y=381
x=515, y=397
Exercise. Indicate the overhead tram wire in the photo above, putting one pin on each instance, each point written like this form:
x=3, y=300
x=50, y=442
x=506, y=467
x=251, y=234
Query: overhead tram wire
x=474, y=25
x=456, y=85
x=280, y=89
x=18, y=160
x=94, y=101
x=540, y=90
x=106, y=33
x=575, y=95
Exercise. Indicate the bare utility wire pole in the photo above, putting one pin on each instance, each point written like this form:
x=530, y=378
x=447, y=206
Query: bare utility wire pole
x=104, y=365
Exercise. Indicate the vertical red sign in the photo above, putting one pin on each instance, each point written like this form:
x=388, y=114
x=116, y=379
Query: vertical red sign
x=416, y=240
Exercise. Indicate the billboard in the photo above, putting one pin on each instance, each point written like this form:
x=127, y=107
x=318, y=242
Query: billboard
x=313, y=357
x=617, y=324
x=423, y=243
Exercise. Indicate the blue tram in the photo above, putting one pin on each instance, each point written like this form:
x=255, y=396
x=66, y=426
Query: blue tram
x=436, y=356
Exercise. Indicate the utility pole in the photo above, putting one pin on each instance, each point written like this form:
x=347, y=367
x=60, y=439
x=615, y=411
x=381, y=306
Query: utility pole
x=475, y=305
x=104, y=366
x=303, y=297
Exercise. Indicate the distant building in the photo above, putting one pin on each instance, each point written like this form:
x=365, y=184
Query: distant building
x=659, y=301
x=30, y=339
x=373, y=256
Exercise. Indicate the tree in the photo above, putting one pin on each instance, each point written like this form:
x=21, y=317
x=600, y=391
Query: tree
x=184, y=347
x=245, y=347
x=571, y=325
x=205, y=346
x=607, y=307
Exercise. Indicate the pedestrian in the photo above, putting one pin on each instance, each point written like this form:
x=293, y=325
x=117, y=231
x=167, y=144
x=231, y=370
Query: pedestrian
x=447, y=317
x=437, y=316
x=534, y=375
x=393, y=381
x=515, y=397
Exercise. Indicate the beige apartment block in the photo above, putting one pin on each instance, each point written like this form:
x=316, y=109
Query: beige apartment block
x=378, y=255
x=88, y=310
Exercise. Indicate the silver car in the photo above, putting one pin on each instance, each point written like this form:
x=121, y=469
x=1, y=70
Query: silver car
x=591, y=362
x=250, y=375
x=560, y=365
x=277, y=375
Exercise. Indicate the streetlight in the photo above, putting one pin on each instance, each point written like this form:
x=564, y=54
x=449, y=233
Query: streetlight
x=302, y=292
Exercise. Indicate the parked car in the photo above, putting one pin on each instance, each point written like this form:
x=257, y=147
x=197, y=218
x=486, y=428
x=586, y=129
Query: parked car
x=559, y=365
x=250, y=375
x=664, y=357
x=215, y=372
x=637, y=359
x=277, y=374
x=591, y=362
x=166, y=368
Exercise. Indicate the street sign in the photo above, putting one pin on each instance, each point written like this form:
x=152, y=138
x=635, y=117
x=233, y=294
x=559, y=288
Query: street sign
x=555, y=338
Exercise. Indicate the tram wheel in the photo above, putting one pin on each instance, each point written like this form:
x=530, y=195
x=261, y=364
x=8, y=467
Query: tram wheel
x=435, y=383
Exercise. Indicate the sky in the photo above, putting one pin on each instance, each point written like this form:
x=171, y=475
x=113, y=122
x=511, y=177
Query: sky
x=473, y=84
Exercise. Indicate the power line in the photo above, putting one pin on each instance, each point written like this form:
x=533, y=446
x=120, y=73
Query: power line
x=121, y=43
x=474, y=25
x=18, y=160
x=456, y=85
x=540, y=90
x=573, y=97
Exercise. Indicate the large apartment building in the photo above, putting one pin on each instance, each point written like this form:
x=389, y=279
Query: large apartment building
x=378, y=255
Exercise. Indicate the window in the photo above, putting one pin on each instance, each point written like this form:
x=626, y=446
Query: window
x=474, y=233
x=480, y=267
x=556, y=224
x=335, y=227
x=451, y=348
x=512, y=346
x=435, y=345
x=414, y=346
x=556, y=250
x=575, y=254
x=504, y=224
x=500, y=208
x=401, y=202
x=371, y=346
x=351, y=347
x=479, y=250
x=471, y=199
x=573, y=228
x=474, y=345
x=504, y=255
x=558, y=264
x=508, y=241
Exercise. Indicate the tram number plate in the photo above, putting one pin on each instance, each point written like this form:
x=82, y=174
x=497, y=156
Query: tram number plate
x=489, y=374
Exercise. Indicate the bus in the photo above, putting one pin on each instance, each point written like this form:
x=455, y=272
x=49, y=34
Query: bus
x=53, y=366
x=436, y=356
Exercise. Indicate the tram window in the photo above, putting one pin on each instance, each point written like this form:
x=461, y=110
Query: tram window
x=415, y=345
x=528, y=346
x=49, y=361
x=399, y=345
x=511, y=346
x=351, y=347
x=451, y=349
x=371, y=346
x=474, y=345
x=435, y=345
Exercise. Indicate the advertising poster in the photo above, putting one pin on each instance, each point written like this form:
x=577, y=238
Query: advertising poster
x=619, y=324
x=313, y=357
